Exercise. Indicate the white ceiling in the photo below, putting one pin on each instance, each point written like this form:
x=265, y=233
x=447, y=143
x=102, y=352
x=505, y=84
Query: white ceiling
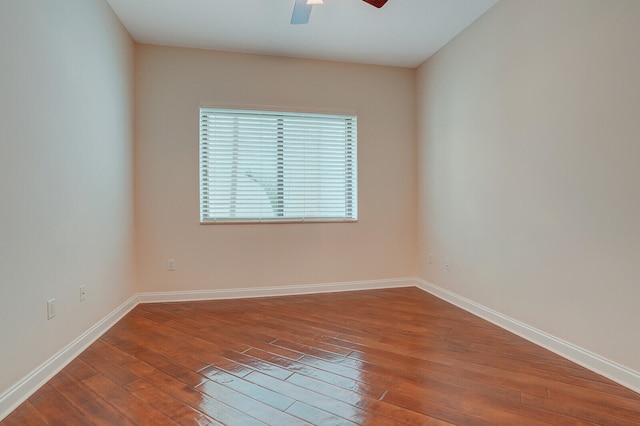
x=402, y=33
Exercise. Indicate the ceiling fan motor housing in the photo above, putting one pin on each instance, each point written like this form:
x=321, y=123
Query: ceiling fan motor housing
x=302, y=9
x=376, y=3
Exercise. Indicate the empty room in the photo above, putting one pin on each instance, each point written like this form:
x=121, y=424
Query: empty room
x=274, y=212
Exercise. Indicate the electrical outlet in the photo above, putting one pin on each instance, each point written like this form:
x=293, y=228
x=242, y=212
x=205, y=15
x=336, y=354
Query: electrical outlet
x=171, y=265
x=83, y=293
x=447, y=264
x=51, y=309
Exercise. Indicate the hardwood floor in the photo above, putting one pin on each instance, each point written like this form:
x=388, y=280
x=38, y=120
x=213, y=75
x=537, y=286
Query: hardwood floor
x=380, y=357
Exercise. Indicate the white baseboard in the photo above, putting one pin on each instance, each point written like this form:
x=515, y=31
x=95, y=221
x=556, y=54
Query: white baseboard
x=18, y=393
x=600, y=365
x=21, y=391
x=292, y=290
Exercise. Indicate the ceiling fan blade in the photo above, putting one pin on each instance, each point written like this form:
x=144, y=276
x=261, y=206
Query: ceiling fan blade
x=301, y=12
x=376, y=3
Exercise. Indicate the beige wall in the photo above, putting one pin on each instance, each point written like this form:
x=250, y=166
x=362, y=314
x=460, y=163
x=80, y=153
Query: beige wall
x=527, y=136
x=170, y=85
x=66, y=215
x=528, y=169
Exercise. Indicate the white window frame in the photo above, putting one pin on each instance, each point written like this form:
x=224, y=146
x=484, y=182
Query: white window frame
x=285, y=148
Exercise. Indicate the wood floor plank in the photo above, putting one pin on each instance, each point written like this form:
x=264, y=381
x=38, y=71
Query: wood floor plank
x=168, y=366
x=239, y=401
x=25, y=415
x=79, y=370
x=180, y=412
x=317, y=416
x=463, y=373
x=373, y=390
x=129, y=405
x=202, y=402
x=264, y=395
x=583, y=411
x=315, y=399
x=372, y=405
x=55, y=409
x=120, y=375
x=462, y=406
x=95, y=409
x=381, y=357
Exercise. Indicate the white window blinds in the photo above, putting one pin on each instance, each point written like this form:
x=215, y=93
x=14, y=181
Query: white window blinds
x=277, y=166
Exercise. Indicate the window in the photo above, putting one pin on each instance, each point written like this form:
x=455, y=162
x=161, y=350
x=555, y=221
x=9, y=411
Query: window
x=269, y=166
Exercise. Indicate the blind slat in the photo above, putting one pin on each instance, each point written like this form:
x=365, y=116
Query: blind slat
x=277, y=166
